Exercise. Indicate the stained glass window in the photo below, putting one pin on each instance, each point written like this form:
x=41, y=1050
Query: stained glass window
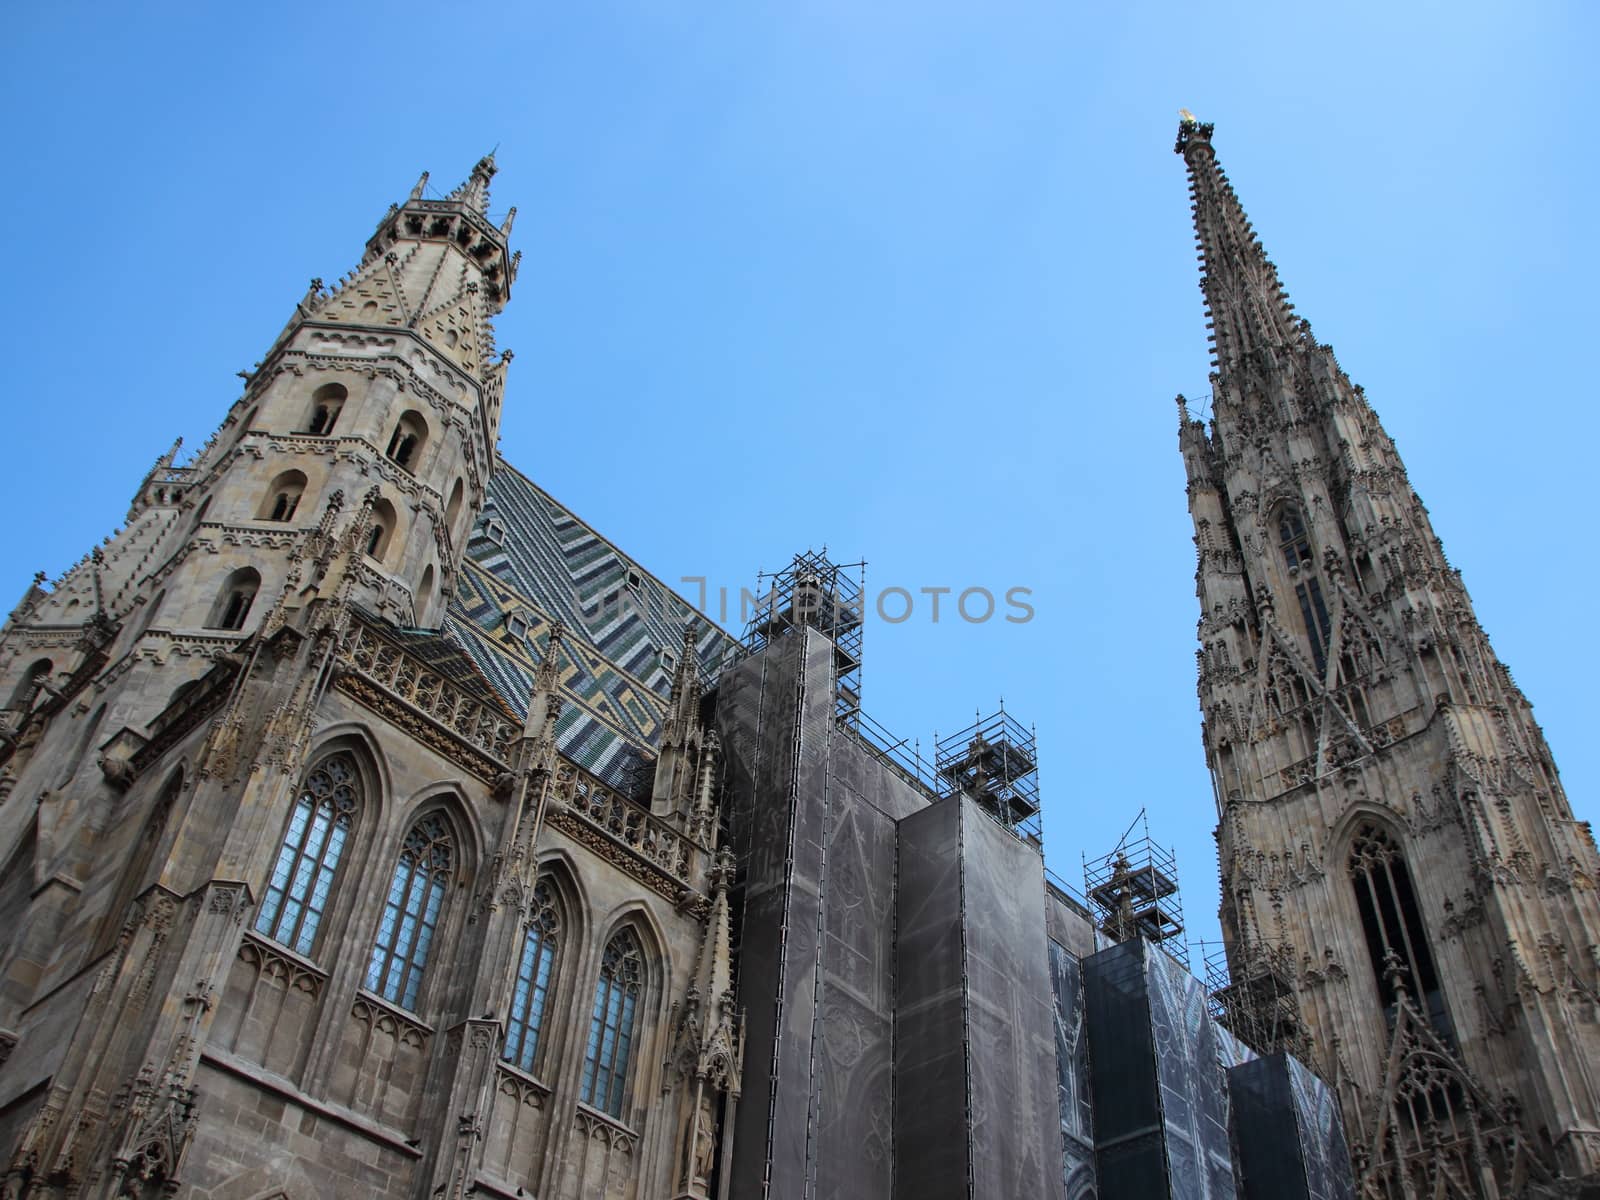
x=534, y=973
x=411, y=911
x=302, y=878
x=611, y=1028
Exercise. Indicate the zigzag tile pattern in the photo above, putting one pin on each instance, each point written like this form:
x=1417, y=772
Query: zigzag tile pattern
x=531, y=562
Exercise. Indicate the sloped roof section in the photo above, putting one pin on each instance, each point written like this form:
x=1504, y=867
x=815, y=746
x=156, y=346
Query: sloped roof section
x=530, y=563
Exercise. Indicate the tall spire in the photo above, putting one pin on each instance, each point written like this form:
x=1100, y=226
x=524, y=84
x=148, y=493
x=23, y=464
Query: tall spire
x=1247, y=306
x=1359, y=729
x=475, y=191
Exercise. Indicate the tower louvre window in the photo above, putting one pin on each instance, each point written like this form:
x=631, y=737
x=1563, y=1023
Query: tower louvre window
x=411, y=911
x=283, y=496
x=611, y=1026
x=234, y=601
x=327, y=402
x=1397, y=942
x=535, y=971
x=308, y=860
x=381, y=532
x=405, y=444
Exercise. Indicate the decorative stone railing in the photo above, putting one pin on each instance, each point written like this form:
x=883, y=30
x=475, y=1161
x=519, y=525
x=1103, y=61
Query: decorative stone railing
x=623, y=833
x=381, y=674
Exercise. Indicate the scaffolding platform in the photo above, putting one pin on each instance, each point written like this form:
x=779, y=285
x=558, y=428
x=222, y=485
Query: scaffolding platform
x=813, y=591
x=1254, y=998
x=995, y=761
x=1133, y=891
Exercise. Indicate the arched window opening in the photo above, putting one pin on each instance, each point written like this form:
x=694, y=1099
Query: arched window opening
x=1292, y=538
x=1294, y=543
x=1397, y=942
x=381, y=531
x=28, y=686
x=283, y=496
x=327, y=402
x=411, y=911
x=234, y=601
x=452, y=508
x=405, y=444
x=308, y=860
x=1314, y=612
x=424, y=592
x=139, y=864
x=535, y=971
x=611, y=1027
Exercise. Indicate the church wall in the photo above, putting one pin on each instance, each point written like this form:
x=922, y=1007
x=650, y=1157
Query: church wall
x=255, y=1135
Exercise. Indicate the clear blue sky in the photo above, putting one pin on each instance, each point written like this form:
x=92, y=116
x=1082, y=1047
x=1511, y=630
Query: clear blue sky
x=914, y=280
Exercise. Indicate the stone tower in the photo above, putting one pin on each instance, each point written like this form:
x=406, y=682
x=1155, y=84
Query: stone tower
x=1404, y=887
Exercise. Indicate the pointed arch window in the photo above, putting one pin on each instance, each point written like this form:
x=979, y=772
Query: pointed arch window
x=384, y=522
x=611, y=1027
x=29, y=685
x=411, y=911
x=535, y=971
x=308, y=860
x=138, y=866
x=1391, y=920
x=1294, y=543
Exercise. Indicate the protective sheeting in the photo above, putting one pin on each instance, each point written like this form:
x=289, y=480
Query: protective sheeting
x=931, y=1144
x=855, y=1133
x=911, y=1029
x=1130, y=1154
x=1072, y=1074
x=1287, y=1131
x=975, y=1042
x=1160, y=1107
x=762, y=713
x=808, y=809
x=1010, y=1017
x=1194, y=1094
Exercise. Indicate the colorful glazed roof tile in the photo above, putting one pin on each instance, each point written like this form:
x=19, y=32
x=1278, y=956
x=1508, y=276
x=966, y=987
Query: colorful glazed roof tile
x=530, y=562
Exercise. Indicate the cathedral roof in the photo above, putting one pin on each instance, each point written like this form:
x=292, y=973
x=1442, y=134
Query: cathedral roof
x=531, y=563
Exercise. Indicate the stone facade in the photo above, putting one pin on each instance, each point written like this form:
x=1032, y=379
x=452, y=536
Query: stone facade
x=373, y=827
x=1406, y=894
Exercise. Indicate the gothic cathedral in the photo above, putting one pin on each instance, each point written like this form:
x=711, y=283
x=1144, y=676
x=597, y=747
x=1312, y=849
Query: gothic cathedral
x=373, y=826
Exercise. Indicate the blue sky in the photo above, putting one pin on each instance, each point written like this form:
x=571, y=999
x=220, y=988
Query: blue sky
x=914, y=281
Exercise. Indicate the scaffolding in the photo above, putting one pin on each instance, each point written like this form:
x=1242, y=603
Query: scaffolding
x=1133, y=891
x=1254, y=999
x=995, y=761
x=816, y=592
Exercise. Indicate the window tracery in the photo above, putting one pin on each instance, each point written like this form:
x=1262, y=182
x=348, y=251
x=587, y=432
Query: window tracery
x=609, y=1051
x=411, y=911
x=308, y=860
x=535, y=975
